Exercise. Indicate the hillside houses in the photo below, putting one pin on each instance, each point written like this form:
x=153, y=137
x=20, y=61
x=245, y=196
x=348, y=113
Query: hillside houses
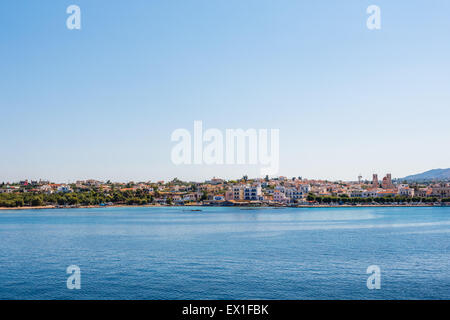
x=216, y=191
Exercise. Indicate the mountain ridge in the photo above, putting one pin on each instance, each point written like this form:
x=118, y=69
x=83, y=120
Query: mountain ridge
x=433, y=174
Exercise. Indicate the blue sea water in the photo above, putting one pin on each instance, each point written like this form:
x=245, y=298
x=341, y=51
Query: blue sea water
x=225, y=253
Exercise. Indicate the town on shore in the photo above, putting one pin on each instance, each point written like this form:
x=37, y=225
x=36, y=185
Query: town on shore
x=276, y=192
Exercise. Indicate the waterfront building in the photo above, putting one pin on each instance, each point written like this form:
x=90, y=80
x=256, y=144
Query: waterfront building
x=238, y=192
x=305, y=188
x=423, y=192
x=247, y=192
x=296, y=193
x=279, y=196
x=369, y=194
x=386, y=193
x=229, y=195
x=405, y=191
x=442, y=191
x=190, y=197
x=356, y=193
x=253, y=193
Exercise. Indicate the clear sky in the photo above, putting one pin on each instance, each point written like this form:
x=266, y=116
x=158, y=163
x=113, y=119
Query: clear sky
x=102, y=102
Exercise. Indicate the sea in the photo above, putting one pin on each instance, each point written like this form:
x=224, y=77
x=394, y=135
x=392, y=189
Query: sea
x=225, y=253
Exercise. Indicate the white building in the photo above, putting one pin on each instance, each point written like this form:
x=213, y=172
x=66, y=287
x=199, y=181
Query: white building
x=46, y=189
x=253, y=192
x=356, y=193
x=279, y=196
x=296, y=193
x=190, y=197
x=305, y=188
x=64, y=189
x=369, y=194
x=249, y=193
x=406, y=191
x=293, y=193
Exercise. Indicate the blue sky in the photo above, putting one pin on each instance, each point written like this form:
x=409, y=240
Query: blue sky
x=102, y=102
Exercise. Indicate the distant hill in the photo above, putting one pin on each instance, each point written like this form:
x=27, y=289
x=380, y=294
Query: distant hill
x=435, y=174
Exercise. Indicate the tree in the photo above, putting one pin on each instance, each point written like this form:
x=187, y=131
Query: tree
x=36, y=202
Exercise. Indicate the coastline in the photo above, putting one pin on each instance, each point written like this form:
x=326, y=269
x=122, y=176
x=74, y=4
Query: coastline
x=236, y=206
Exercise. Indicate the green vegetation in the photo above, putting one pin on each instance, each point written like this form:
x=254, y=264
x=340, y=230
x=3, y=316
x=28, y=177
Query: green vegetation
x=141, y=197
x=204, y=196
x=344, y=199
x=11, y=200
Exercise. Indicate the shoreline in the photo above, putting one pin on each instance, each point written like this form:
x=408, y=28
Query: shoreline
x=218, y=206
